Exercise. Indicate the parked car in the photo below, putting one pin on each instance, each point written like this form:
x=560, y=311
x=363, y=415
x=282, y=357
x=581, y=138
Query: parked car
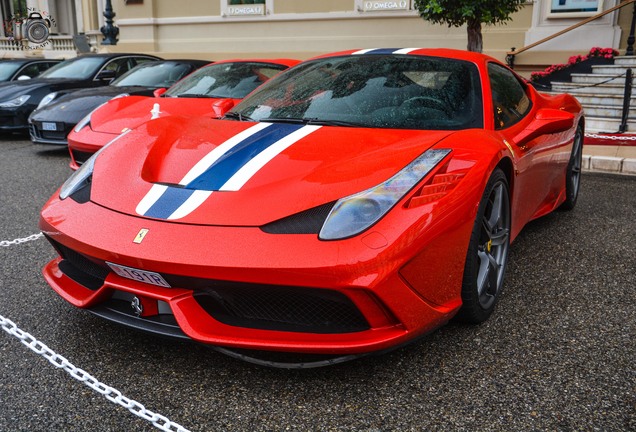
x=52, y=122
x=350, y=205
x=25, y=68
x=19, y=98
x=211, y=90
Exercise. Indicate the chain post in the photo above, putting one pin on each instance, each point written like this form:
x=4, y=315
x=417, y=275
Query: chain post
x=627, y=97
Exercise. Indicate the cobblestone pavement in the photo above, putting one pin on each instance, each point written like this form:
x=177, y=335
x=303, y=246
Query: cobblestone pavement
x=557, y=355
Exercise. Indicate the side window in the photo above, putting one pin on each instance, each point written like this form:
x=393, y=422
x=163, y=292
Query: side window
x=120, y=66
x=510, y=101
x=142, y=60
x=31, y=71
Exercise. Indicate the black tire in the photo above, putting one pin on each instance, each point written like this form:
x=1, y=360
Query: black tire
x=573, y=172
x=487, y=255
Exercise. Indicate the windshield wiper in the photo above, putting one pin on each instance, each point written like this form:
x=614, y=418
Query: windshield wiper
x=193, y=95
x=232, y=115
x=313, y=121
x=326, y=122
x=284, y=120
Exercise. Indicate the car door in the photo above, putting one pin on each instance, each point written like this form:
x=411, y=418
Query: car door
x=513, y=112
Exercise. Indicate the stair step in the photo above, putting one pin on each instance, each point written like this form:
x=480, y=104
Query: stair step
x=606, y=101
x=625, y=60
x=607, y=112
x=598, y=79
x=601, y=124
x=610, y=69
x=576, y=89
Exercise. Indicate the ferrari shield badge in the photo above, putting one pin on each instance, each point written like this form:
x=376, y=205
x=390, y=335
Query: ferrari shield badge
x=140, y=235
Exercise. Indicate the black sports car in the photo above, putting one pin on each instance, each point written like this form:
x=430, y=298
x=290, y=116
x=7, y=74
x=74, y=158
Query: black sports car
x=51, y=122
x=19, y=98
x=19, y=69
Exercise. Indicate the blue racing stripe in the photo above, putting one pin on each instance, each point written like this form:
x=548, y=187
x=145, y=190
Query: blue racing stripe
x=383, y=51
x=170, y=201
x=232, y=161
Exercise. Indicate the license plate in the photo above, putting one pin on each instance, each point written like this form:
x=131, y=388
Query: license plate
x=48, y=126
x=139, y=275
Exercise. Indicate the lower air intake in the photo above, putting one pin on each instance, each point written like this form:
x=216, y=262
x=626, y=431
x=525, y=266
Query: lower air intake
x=293, y=309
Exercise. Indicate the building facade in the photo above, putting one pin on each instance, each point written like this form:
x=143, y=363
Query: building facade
x=220, y=29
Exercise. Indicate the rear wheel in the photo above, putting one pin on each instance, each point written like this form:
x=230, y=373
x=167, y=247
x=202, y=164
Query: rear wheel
x=487, y=252
x=573, y=172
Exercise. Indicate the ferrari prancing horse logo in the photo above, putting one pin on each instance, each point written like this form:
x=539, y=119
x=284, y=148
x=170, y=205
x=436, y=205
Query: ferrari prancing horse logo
x=140, y=235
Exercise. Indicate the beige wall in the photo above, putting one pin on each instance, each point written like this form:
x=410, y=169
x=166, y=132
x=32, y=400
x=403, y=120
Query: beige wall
x=295, y=6
x=290, y=33
x=302, y=29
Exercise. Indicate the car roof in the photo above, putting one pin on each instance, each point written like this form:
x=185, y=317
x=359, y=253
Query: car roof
x=29, y=60
x=433, y=52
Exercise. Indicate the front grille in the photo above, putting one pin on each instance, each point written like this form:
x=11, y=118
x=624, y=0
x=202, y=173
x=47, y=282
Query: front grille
x=80, y=157
x=57, y=135
x=295, y=309
x=80, y=268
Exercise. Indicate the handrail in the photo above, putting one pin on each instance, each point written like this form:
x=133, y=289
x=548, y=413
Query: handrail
x=510, y=57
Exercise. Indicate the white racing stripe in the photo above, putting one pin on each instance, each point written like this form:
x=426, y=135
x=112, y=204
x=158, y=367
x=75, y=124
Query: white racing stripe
x=364, y=51
x=151, y=197
x=195, y=200
x=405, y=50
x=255, y=164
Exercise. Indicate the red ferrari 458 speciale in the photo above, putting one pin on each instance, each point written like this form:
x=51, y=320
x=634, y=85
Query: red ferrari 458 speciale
x=210, y=91
x=349, y=205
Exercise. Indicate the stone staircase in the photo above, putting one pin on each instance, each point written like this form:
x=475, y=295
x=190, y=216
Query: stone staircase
x=601, y=94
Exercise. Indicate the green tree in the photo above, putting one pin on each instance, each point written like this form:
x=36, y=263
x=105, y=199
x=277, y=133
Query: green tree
x=473, y=13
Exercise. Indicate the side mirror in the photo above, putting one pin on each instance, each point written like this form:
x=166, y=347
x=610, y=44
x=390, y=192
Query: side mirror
x=159, y=92
x=222, y=106
x=106, y=75
x=23, y=77
x=546, y=121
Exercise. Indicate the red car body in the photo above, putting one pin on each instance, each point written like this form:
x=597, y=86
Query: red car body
x=117, y=115
x=245, y=271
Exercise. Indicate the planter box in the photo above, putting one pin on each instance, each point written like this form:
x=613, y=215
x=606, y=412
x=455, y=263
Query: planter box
x=565, y=75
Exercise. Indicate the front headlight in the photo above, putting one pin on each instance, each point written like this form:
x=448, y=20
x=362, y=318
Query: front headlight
x=353, y=214
x=47, y=100
x=83, y=122
x=82, y=177
x=79, y=178
x=16, y=102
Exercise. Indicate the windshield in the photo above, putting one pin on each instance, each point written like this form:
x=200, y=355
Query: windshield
x=81, y=68
x=155, y=75
x=225, y=80
x=8, y=69
x=383, y=91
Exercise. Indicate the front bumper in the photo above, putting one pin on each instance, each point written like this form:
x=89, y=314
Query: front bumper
x=85, y=143
x=210, y=267
x=56, y=137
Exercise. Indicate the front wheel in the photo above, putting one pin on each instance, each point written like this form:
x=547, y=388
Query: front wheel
x=487, y=252
x=573, y=171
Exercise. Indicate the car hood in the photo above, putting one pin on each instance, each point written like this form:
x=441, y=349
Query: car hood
x=132, y=111
x=152, y=171
x=17, y=88
x=72, y=107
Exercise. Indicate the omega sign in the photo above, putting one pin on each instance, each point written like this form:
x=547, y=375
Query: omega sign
x=380, y=5
x=253, y=9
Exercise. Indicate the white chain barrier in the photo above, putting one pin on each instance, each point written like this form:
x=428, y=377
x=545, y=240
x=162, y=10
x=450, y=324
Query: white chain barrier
x=6, y=243
x=612, y=137
x=110, y=393
x=113, y=395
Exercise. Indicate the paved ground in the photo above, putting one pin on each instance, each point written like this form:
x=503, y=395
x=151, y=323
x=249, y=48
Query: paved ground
x=558, y=354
